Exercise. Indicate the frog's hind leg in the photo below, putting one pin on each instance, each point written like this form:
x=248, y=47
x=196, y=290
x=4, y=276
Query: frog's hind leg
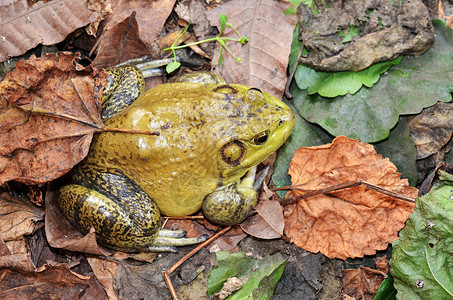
x=124, y=85
x=124, y=217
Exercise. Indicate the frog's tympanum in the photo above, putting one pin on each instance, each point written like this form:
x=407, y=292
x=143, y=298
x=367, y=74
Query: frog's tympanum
x=212, y=137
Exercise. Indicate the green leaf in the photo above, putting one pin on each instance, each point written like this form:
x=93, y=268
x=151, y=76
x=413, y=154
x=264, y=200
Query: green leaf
x=333, y=84
x=263, y=274
x=262, y=283
x=405, y=89
x=422, y=259
x=400, y=149
x=303, y=135
x=223, y=20
x=230, y=265
x=172, y=66
x=295, y=47
x=386, y=290
x=351, y=32
x=290, y=10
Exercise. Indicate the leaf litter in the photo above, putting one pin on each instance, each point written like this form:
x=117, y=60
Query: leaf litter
x=265, y=56
x=107, y=276
x=346, y=223
x=49, y=109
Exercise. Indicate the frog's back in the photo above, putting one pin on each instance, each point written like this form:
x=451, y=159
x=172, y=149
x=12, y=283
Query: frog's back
x=180, y=167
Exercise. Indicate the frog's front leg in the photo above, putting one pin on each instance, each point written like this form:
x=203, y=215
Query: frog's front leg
x=231, y=204
x=124, y=85
x=124, y=217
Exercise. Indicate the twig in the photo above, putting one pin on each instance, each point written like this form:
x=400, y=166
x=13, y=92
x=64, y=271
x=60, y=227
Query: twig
x=340, y=187
x=293, y=71
x=166, y=274
x=124, y=130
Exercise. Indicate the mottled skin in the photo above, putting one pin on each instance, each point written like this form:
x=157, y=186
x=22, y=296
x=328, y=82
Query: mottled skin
x=211, y=135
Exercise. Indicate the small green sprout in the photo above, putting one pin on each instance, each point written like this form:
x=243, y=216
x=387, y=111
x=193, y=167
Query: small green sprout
x=221, y=40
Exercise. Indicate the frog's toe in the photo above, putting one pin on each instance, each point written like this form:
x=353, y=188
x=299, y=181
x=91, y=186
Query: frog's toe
x=179, y=241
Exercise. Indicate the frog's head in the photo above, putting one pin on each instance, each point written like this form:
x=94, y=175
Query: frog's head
x=260, y=123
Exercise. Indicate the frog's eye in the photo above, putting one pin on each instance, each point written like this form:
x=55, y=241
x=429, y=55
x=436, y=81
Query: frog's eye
x=233, y=153
x=261, y=138
x=254, y=94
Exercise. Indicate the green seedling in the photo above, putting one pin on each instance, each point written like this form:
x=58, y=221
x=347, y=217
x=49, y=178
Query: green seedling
x=221, y=40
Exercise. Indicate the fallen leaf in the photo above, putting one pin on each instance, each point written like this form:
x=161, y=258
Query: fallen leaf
x=387, y=30
x=54, y=282
x=120, y=43
x=104, y=269
x=352, y=222
x=25, y=24
x=382, y=264
x=422, y=257
x=49, y=109
x=151, y=16
x=268, y=223
x=362, y=283
x=265, y=56
x=3, y=248
x=432, y=129
x=20, y=261
x=18, y=217
x=371, y=113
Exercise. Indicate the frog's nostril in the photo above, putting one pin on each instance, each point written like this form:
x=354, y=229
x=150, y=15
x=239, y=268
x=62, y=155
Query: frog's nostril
x=280, y=122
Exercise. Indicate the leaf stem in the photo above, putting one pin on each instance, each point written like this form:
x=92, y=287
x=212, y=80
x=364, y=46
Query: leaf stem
x=337, y=187
x=129, y=131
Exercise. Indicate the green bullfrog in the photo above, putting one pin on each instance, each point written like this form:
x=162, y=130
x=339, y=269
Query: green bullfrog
x=212, y=135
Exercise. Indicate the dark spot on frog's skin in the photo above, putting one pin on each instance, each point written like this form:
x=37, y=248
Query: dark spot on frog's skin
x=228, y=89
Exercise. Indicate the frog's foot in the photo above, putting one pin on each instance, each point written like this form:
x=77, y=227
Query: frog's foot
x=231, y=204
x=168, y=240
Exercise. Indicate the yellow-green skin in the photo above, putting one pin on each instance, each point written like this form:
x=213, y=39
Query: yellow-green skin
x=209, y=139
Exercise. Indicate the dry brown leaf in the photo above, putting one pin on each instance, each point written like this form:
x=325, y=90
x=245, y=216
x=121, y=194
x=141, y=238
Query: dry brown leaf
x=362, y=283
x=151, y=16
x=49, y=109
x=53, y=282
x=265, y=56
x=24, y=26
x=432, y=129
x=120, y=43
x=387, y=30
x=61, y=234
x=104, y=269
x=21, y=261
x=18, y=217
x=4, y=250
x=268, y=223
x=352, y=222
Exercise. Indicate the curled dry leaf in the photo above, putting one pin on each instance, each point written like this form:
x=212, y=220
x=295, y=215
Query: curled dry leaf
x=18, y=217
x=268, y=223
x=265, y=56
x=120, y=43
x=151, y=17
x=352, y=222
x=362, y=283
x=432, y=129
x=49, y=109
x=24, y=25
x=105, y=270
